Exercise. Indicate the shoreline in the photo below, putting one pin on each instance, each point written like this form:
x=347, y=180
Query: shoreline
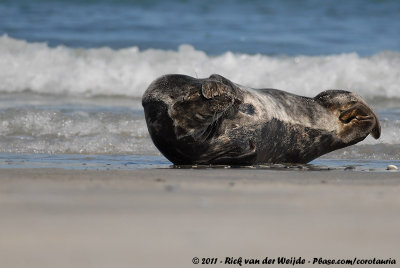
x=148, y=162
x=166, y=217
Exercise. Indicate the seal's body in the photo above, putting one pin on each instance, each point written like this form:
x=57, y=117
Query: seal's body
x=215, y=121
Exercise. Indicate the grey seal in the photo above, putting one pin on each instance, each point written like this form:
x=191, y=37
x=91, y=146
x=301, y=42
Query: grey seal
x=215, y=121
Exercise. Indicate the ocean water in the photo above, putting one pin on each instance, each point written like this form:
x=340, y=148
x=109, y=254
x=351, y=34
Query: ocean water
x=72, y=73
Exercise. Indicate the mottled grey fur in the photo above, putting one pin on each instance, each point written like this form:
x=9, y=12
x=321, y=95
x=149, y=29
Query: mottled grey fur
x=215, y=121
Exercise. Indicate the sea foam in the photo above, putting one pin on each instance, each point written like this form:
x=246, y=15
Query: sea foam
x=127, y=72
x=35, y=130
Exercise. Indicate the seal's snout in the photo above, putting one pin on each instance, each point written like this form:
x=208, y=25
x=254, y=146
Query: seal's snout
x=359, y=114
x=376, y=131
x=356, y=118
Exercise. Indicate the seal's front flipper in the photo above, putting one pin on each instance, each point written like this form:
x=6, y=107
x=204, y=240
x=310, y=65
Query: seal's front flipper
x=213, y=88
x=217, y=85
x=219, y=93
x=198, y=111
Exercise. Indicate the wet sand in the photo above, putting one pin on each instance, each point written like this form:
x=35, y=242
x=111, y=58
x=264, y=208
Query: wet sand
x=165, y=217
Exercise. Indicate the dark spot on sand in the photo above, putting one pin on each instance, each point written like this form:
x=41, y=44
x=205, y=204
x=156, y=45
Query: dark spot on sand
x=171, y=188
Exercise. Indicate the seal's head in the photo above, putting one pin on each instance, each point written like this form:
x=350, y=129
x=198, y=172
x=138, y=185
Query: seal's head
x=355, y=119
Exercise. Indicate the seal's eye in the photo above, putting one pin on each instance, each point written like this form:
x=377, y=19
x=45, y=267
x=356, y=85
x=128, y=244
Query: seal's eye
x=247, y=108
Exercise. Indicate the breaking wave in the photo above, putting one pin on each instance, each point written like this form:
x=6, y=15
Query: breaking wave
x=103, y=71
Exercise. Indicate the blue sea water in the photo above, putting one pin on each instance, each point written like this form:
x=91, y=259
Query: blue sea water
x=275, y=27
x=72, y=72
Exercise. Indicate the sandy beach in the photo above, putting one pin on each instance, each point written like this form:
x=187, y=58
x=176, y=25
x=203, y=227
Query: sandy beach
x=82, y=185
x=166, y=217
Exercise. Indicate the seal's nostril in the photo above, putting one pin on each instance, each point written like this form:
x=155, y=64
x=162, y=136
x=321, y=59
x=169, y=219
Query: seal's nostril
x=347, y=119
x=347, y=116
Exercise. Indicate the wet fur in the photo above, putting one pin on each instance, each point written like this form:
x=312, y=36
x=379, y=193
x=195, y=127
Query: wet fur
x=215, y=121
